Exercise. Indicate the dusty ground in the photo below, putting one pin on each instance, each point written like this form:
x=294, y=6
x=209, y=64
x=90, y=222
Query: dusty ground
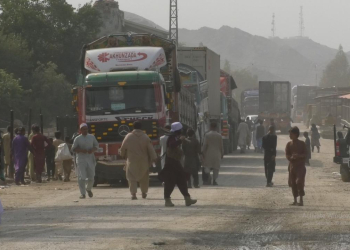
x=241, y=213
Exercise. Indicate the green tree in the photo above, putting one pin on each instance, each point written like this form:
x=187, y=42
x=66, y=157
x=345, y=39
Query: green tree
x=15, y=57
x=10, y=93
x=244, y=80
x=52, y=29
x=337, y=71
x=50, y=93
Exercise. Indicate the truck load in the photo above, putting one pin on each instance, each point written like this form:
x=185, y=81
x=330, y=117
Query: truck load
x=249, y=102
x=128, y=77
x=207, y=64
x=275, y=105
x=215, y=102
x=304, y=96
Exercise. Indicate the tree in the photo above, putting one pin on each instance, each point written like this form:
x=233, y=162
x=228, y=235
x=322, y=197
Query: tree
x=50, y=92
x=10, y=94
x=52, y=29
x=15, y=57
x=244, y=80
x=337, y=71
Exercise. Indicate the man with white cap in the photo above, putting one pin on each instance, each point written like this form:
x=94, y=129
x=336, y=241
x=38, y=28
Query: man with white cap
x=84, y=146
x=173, y=173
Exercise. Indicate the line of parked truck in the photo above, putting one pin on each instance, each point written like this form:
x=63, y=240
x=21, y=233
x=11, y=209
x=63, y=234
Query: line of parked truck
x=128, y=77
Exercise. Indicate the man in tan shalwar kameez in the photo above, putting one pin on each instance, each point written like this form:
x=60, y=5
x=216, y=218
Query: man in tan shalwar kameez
x=213, y=152
x=139, y=153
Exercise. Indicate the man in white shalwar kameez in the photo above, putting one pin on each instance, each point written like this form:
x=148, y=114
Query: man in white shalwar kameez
x=84, y=146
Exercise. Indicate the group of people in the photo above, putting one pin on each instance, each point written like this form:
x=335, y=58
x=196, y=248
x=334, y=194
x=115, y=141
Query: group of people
x=250, y=132
x=181, y=159
x=298, y=153
x=29, y=155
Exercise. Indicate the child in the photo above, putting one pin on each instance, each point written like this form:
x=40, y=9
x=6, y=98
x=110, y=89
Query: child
x=67, y=164
x=308, y=147
x=50, y=153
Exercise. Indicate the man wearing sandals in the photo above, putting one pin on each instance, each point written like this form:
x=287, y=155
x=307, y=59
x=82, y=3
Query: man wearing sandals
x=296, y=153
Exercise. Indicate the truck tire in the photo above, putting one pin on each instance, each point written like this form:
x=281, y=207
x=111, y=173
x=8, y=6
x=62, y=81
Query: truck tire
x=344, y=172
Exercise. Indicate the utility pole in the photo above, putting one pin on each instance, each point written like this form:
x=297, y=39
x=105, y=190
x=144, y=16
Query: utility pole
x=273, y=25
x=301, y=22
x=173, y=22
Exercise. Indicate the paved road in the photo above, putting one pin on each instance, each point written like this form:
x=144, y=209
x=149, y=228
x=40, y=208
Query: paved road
x=240, y=213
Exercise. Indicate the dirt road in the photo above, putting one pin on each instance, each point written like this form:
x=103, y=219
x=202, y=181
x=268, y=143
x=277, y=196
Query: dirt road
x=240, y=213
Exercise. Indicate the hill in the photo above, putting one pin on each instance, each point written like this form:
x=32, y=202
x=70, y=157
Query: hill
x=281, y=59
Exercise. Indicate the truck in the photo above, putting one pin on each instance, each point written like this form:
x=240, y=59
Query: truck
x=230, y=115
x=215, y=102
x=249, y=102
x=128, y=77
x=207, y=65
x=275, y=103
x=304, y=96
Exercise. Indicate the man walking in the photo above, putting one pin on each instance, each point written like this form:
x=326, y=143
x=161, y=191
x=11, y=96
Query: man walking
x=38, y=144
x=213, y=152
x=84, y=146
x=173, y=173
x=260, y=132
x=269, y=144
x=296, y=153
x=20, y=148
x=6, y=140
x=139, y=153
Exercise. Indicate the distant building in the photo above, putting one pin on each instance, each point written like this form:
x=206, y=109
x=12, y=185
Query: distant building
x=114, y=21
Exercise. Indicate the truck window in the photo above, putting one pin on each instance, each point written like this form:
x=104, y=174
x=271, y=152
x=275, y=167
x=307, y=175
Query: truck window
x=120, y=100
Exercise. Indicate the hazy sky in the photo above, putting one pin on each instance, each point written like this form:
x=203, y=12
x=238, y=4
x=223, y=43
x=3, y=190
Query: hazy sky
x=326, y=21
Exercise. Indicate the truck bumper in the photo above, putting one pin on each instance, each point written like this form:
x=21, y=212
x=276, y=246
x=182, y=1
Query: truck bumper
x=340, y=160
x=110, y=171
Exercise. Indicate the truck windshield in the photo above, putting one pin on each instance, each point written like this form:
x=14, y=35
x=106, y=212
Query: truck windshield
x=120, y=100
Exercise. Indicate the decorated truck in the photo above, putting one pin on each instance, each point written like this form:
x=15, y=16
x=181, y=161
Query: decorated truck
x=124, y=78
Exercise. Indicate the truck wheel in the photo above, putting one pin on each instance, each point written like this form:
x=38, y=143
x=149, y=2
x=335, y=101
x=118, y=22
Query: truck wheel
x=344, y=172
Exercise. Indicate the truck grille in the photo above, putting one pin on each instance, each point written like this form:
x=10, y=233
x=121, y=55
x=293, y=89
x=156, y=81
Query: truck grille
x=116, y=131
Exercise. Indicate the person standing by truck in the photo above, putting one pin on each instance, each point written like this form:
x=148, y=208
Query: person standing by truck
x=84, y=146
x=243, y=136
x=296, y=153
x=139, y=153
x=260, y=132
x=213, y=152
x=269, y=144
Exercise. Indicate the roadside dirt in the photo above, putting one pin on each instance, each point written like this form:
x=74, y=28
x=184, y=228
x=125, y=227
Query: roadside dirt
x=240, y=213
